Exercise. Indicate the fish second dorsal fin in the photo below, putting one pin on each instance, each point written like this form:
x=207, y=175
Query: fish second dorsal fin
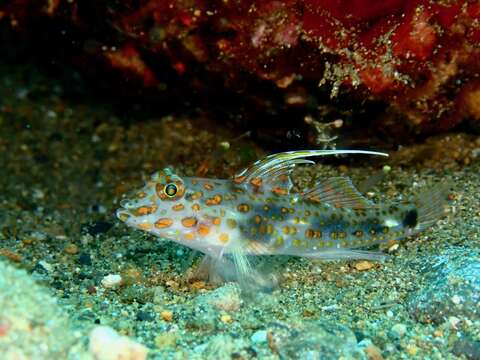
x=274, y=170
x=338, y=192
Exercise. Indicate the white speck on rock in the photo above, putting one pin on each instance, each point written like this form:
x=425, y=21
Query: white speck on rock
x=454, y=322
x=456, y=299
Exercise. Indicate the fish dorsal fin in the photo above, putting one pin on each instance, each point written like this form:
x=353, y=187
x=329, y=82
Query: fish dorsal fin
x=338, y=192
x=273, y=172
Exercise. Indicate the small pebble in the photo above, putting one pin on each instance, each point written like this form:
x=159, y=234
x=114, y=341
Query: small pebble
x=373, y=352
x=363, y=265
x=145, y=316
x=111, y=281
x=71, y=249
x=166, y=340
x=393, y=248
x=456, y=299
x=259, y=336
x=27, y=241
x=106, y=344
x=39, y=236
x=167, y=315
x=225, y=145
x=412, y=350
x=226, y=318
x=399, y=330
x=198, y=285
x=454, y=322
x=48, y=267
x=226, y=298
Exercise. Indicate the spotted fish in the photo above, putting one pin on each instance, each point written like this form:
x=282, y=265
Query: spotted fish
x=256, y=213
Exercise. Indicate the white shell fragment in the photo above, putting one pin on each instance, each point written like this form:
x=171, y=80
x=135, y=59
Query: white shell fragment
x=111, y=281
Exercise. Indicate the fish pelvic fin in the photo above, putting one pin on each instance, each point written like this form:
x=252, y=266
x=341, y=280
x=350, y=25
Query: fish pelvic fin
x=253, y=274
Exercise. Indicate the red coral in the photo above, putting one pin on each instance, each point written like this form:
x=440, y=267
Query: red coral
x=419, y=56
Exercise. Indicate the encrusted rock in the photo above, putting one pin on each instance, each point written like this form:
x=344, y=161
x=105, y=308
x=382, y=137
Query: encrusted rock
x=452, y=290
x=317, y=339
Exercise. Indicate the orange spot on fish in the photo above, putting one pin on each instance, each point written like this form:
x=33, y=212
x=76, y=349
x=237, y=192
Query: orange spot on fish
x=197, y=195
x=145, y=226
x=145, y=210
x=163, y=223
x=217, y=199
x=224, y=237
x=279, y=191
x=243, y=208
x=269, y=229
x=196, y=207
x=217, y=221
x=203, y=229
x=189, y=222
x=309, y=233
x=262, y=229
x=257, y=182
x=208, y=186
x=178, y=207
x=189, y=236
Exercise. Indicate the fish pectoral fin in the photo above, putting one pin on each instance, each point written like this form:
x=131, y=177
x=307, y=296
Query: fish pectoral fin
x=273, y=172
x=338, y=192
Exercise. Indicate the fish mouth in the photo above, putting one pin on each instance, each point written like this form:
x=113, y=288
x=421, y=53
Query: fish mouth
x=129, y=207
x=123, y=214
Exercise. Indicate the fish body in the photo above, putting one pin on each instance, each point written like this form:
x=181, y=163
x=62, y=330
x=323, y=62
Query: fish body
x=257, y=213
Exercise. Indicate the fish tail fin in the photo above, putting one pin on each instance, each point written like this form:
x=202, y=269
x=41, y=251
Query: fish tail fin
x=431, y=205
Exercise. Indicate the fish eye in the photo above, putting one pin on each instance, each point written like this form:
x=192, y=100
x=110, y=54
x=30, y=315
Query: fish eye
x=171, y=190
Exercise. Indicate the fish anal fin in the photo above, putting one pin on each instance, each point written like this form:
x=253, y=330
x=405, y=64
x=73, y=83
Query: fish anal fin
x=338, y=192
